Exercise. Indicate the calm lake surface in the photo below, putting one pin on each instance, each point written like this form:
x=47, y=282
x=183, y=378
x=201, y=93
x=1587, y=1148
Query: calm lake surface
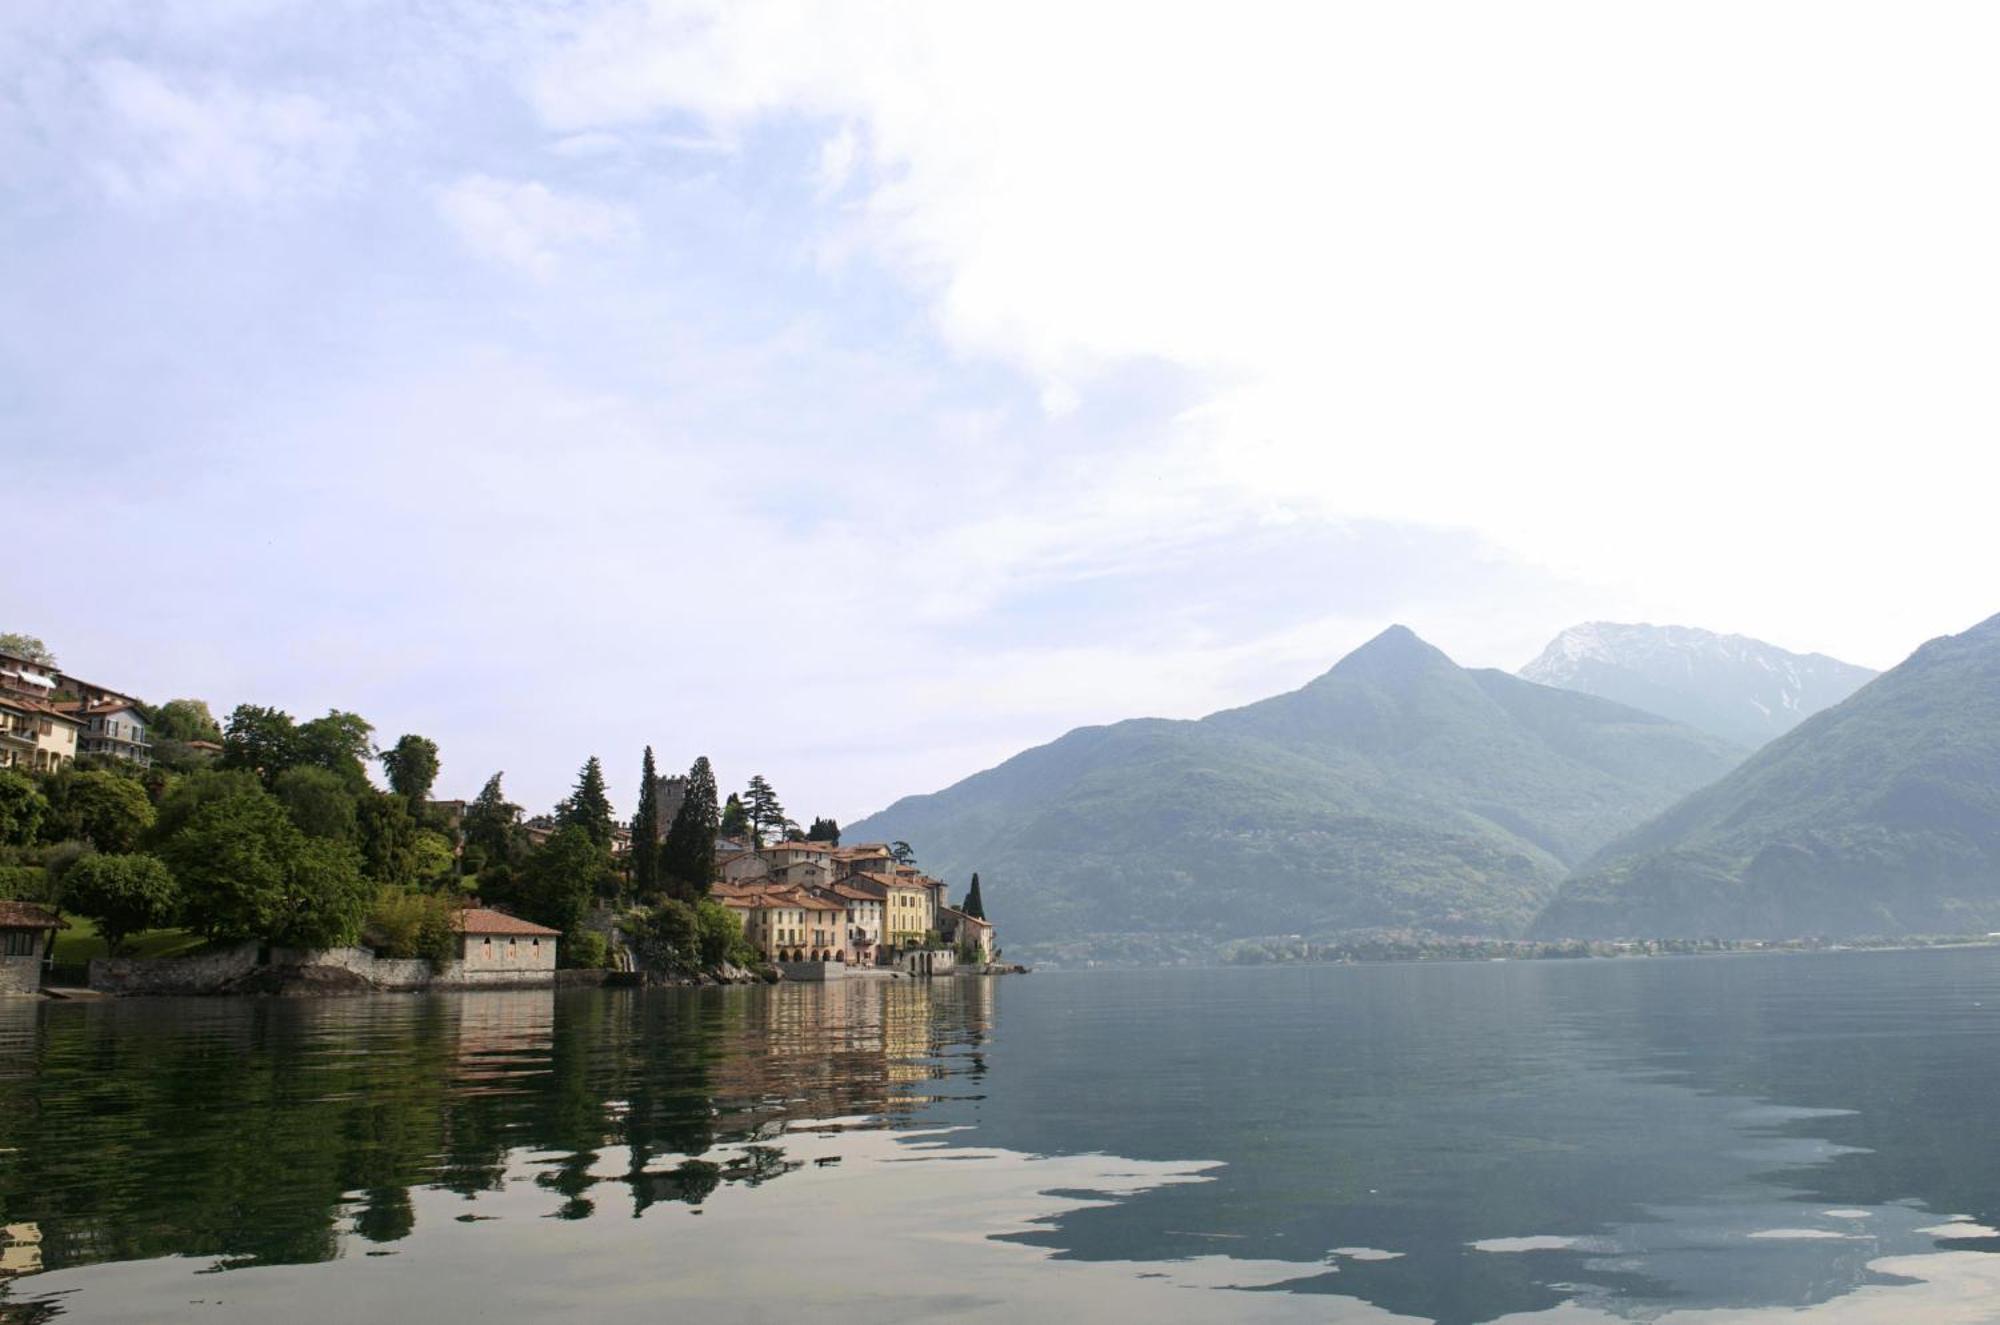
x=1812, y=1138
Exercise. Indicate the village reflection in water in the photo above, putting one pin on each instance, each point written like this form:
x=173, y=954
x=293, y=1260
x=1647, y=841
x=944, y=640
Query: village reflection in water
x=274, y=1132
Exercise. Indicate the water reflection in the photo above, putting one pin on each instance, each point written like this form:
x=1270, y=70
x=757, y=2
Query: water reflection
x=1662, y=1140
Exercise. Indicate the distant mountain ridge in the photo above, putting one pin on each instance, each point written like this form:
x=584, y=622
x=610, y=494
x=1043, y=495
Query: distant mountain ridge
x=1879, y=816
x=1731, y=686
x=1397, y=789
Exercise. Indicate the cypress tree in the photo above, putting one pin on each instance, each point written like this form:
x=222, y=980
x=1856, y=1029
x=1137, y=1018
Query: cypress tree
x=824, y=830
x=688, y=856
x=974, y=906
x=646, y=829
x=735, y=819
x=588, y=807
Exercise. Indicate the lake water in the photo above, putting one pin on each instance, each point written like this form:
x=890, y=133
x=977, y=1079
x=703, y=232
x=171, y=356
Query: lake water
x=1806, y=1138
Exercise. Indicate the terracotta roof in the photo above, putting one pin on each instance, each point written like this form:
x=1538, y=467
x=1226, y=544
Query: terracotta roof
x=29, y=704
x=485, y=920
x=860, y=892
x=27, y=915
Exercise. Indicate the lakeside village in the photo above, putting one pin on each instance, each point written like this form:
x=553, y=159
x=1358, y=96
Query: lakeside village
x=153, y=849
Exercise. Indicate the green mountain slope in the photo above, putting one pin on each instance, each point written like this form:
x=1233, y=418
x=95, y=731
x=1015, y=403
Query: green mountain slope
x=1878, y=816
x=1398, y=789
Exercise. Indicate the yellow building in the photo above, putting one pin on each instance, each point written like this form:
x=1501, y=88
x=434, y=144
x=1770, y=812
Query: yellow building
x=34, y=735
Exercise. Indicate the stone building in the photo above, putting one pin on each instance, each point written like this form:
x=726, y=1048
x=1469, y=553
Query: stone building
x=493, y=942
x=25, y=933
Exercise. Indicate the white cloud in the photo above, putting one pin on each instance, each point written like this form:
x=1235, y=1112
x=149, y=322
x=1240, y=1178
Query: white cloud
x=1688, y=301
x=210, y=138
x=524, y=224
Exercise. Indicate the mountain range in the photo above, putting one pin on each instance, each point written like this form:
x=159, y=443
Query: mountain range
x=1878, y=816
x=1731, y=686
x=1396, y=790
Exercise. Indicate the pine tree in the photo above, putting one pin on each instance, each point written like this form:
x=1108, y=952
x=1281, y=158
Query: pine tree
x=974, y=906
x=588, y=807
x=902, y=853
x=761, y=804
x=646, y=829
x=687, y=858
x=735, y=819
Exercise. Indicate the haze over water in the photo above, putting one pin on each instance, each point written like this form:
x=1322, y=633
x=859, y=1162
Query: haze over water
x=1719, y=1138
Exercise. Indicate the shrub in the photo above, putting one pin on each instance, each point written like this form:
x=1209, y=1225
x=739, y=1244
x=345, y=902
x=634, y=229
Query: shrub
x=585, y=951
x=406, y=923
x=22, y=808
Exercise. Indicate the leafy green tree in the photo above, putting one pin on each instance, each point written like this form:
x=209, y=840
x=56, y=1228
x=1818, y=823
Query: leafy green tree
x=122, y=894
x=735, y=819
x=403, y=923
x=760, y=803
x=260, y=740
x=902, y=854
x=108, y=810
x=342, y=743
x=824, y=830
x=687, y=858
x=646, y=829
x=492, y=825
x=22, y=808
x=321, y=803
x=588, y=807
x=325, y=899
x=247, y=872
x=26, y=646
x=561, y=877
x=193, y=790
x=431, y=856
x=974, y=904
x=183, y=720
x=411, y=765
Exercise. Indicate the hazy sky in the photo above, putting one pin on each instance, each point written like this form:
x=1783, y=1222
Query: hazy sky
x=858, y=393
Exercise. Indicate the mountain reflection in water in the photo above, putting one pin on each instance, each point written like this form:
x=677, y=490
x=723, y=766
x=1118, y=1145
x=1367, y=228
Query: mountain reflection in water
x=1697, y=1139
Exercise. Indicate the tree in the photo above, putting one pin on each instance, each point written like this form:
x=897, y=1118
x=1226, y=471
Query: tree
x=122, y=894
x=106, y=809
x=901, y=853
x=561, y=877
x=22, y=809
x=247, y=872
x=687, y=857
x=974, y=904
x=411, y=765
x=320, y=803
x=588, y=807
x=646, y=829
x=388, y=836
x=194, y=790
x=824, y=830
x=184, y=720
x=26, y=646
x=492, y=825
x=760, y=803
x=735, y=819
x=260, y=740
x=342, y=743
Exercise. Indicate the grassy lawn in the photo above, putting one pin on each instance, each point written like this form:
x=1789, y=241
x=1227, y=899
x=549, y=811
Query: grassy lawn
x=80, y=942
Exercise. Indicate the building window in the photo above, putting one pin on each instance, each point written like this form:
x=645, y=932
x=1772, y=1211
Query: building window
x=20, y=942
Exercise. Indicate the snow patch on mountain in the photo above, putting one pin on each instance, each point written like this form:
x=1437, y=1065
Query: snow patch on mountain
x=1734, y=686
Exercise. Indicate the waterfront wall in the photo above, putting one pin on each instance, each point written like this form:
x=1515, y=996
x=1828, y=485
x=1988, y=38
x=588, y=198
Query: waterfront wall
x=223, y=969
x=21, y=975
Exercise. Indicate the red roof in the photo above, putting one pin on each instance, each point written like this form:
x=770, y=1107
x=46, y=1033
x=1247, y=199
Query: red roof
x=485, y=920
x=27, y=915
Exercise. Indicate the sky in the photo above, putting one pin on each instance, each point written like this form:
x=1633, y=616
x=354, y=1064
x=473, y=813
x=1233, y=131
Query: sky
x=860, y=393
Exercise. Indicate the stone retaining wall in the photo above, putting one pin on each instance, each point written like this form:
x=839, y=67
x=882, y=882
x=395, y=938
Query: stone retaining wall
x=214, y=972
